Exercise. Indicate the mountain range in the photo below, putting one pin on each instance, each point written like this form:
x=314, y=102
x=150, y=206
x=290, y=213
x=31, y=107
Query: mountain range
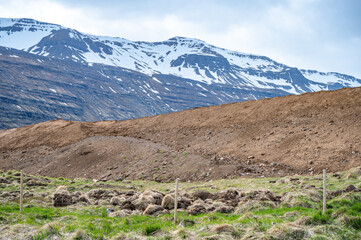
x=48, y=71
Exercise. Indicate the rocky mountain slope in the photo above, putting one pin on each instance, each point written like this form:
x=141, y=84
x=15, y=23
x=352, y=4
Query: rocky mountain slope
x=35, y=89
x=179, y=56
x=78, y=76
x=269, y=137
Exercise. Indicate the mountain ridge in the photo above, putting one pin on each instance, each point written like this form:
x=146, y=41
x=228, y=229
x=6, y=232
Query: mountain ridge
x=36, y=89
x=48, y=71
x=184, y=57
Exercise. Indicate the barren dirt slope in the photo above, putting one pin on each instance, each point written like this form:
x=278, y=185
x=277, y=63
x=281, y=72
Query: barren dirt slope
x=283, y=135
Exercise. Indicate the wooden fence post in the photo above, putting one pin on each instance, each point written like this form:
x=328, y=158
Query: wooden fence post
x=176, y=200
x=324, y=192
x=21, y=191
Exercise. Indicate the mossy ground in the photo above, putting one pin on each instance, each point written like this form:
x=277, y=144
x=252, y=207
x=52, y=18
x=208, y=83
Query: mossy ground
x=300, y=219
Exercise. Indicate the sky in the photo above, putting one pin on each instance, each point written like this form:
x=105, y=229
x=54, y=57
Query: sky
x=324, y=35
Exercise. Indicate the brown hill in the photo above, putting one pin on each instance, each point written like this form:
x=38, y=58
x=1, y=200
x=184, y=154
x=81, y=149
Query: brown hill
x=284, y=135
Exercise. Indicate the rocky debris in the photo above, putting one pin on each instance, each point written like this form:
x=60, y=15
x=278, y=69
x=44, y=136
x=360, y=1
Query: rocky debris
x=100, y=194
x=121, y=213
x=4, y=180
x=168, y=202
x=184, y=202
x=27, y=194
x=262, y=195
x=228, y=194
x=101, y=202
x=222, y=228
x=33, y=182
x=257, y=200
x=230, y=197
x=336, y=193
x=199, y=206
x=337, y=175
x=152, y=209
x=222, y=208
x=196, y=209
x=208, y=204
x=295, y=179
x=349, y=188
x=130, y=193
x=83, y=198
x=123, y=202
x=152, y=202
x=62, y=190
x=79, y=197
x=76, y=194
x=126, y=203
x=119, y=179
x=115, y=201
x=203, y=195
x=148, y=197
x=62, y=197
x=284, y=180
x=10, y=195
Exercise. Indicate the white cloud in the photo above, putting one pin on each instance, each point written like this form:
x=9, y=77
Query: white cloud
x=42, y=10
x=287, y=31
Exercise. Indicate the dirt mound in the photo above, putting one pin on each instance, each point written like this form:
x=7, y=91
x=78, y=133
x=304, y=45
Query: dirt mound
x=285, y=135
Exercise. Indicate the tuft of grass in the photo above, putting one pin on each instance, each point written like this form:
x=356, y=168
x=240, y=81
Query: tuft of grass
x=151, y=229
x=320, y=218
x=354, y=222
x=104, y=212
x=80, y=235
x=188, y=222
x=183, y=234
x=236, y=234
x=49, y=230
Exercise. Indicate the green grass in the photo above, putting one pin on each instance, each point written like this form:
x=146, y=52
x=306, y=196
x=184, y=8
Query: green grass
x=94, y=224
x=320, y=218
x=48, y=231
x=341, y=221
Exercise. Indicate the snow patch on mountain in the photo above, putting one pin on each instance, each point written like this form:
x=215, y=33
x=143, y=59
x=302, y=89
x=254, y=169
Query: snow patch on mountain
x=23, y=33
x=331, y=78
x=187, y=58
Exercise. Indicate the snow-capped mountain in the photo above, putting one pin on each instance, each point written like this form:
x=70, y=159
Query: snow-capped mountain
x=48, y=71
x=23, y=33
x=183, y=57
x=35, y=89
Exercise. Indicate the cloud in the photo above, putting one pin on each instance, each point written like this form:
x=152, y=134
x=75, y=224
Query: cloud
x=41, y=9
x=312, y=34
